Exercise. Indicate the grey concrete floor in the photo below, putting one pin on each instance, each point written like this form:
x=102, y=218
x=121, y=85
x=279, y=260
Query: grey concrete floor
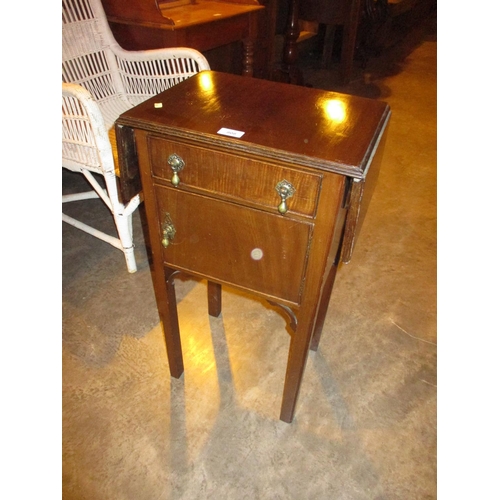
x=365, y=425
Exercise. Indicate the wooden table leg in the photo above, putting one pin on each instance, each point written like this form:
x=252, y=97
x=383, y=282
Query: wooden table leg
x=297, y=359
x=214, y=292
x=167, y=309
x=290, y=68
x=326, y=57
x=323, y=307
x=349, y=42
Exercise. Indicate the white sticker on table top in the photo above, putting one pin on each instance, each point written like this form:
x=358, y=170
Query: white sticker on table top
x=230, y=132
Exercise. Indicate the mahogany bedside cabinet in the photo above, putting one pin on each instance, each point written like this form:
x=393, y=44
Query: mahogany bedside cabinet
x=255, y=184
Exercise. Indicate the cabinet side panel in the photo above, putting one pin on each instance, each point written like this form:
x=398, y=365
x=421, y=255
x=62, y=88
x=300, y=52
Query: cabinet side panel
x=128, y=163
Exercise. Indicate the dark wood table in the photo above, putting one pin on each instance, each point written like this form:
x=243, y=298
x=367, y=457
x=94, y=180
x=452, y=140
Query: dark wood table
x=254, y=184
x=204, y=25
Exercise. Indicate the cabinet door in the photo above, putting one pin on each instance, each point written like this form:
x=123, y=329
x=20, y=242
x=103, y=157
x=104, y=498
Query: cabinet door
x=249, y=248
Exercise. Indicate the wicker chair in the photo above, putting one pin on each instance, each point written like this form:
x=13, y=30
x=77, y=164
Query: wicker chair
x=100, y=81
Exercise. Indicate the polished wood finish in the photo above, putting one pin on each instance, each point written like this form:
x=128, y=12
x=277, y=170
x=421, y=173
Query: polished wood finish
x=360, y=195
x=225, y=208
x=278, y=275
x=204, y=25
x=215, y=171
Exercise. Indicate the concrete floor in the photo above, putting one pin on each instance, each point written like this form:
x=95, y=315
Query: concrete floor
x=365, y=425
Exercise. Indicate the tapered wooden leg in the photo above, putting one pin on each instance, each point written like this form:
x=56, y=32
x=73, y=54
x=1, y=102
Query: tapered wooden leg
x=167, y=308
x=323, y=307
x=214, y=291
x=297, y=358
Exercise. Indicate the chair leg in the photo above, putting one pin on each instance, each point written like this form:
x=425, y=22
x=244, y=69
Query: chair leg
x=130, y=259
x=125, y=233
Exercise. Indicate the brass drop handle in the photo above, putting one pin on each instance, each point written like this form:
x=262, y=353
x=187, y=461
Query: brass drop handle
x=168, y=231
x=286, y=190
x=176, y=164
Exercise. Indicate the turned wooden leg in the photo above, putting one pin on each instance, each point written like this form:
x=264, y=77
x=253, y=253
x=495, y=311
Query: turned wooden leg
x=290, y=50
x=214, y=292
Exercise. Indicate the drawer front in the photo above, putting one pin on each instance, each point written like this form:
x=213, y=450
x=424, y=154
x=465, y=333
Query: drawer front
x=256, y=250
x=234, y=177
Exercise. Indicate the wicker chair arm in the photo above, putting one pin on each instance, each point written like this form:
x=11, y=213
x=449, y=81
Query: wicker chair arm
x=84, y=131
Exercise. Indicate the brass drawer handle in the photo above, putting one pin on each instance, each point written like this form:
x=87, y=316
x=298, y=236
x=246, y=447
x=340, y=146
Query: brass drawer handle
x=286, y=190
x=176, y=164
x=168, y=231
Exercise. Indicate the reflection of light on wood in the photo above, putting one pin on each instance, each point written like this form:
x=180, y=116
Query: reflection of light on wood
x=335, y=110
x=206, y=82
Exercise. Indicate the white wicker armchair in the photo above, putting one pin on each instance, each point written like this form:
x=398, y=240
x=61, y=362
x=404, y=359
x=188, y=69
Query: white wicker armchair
x=100, y=81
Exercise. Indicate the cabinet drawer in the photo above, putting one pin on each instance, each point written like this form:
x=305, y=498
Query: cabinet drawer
x=234, y=176
x=250, y=248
